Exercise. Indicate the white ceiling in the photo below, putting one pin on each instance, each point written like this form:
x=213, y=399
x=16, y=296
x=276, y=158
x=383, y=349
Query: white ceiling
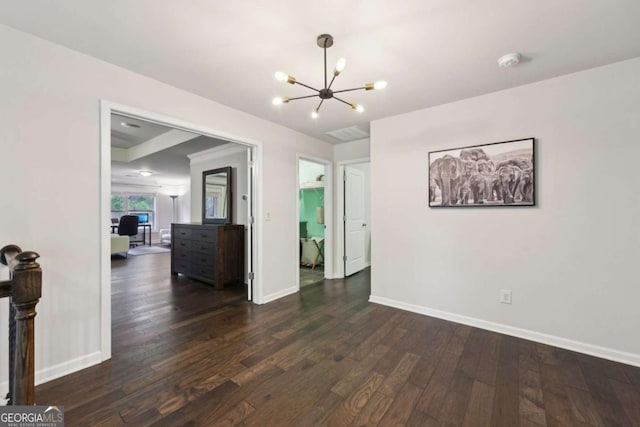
x=430, y=51
x=127, y=137
x=171, y=168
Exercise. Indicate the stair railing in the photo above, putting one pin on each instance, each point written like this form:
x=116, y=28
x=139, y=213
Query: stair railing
x=24, y=288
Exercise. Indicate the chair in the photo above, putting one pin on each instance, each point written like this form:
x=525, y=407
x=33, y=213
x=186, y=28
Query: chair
x=312, y=254
x=165, y=236
x=119, y=245
x=128, y=226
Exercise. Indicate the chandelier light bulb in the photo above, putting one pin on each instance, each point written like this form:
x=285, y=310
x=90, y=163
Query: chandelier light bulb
x=284, y=77
x=280, y=100
x=340, y=66
x=314, y=114
x=359, y=108
x=381, y=84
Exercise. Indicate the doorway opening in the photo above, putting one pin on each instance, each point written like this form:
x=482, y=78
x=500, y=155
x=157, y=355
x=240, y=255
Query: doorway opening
x=251, y=156
x=314, y=221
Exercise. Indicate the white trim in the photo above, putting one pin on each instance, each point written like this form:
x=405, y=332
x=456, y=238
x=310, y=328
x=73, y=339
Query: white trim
x=105, y=238
x=215, y=153
x=339, y=246
x=68, y=367
x=258, y=289
x=108, y=107
x=580, y=347
x=62, y=369
x=280, y=294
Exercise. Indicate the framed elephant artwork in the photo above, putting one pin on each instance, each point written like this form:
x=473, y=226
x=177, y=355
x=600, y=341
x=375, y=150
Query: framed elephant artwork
x=497, y=174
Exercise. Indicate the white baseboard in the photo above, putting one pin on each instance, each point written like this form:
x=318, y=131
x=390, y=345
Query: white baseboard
x=68, y=367
x=277, y=295
x=60, y=370
x=580, y=347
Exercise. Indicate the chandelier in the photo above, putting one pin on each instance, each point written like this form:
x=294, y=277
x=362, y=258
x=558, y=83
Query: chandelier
x=325, y=41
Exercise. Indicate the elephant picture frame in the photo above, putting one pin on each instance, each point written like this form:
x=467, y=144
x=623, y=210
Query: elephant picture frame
x=494, y=174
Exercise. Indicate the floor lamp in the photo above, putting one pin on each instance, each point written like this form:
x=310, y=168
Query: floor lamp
x=173, y=212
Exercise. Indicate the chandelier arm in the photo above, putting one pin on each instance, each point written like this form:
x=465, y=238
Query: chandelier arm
x=349, y=90
x=331, y=83
x=319, y=105
x=302, y=97
x=341, y=100
x=307, y=86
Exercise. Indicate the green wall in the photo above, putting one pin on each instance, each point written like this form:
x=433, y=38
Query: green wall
x=310, y=199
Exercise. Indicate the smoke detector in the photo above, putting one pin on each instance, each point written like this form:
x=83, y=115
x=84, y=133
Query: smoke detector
x=509, y=60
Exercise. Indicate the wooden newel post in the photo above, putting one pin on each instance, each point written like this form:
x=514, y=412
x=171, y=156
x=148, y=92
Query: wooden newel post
x=26, y=292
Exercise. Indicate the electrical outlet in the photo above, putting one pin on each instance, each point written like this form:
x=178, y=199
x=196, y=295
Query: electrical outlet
x=505, y=296
x=267, y=216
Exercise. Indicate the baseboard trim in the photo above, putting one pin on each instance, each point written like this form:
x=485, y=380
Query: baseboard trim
x=580, y=347
x=68, y=367
x=277, y=295
x=60, y=370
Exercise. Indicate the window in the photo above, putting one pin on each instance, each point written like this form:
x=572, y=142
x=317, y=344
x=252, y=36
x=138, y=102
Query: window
x=132, y=204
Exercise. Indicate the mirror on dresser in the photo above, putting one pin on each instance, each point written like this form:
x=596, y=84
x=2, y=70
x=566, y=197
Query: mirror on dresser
x=217, y=202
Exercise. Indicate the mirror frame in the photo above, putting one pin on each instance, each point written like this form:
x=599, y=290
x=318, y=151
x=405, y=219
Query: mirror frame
x=229, y=196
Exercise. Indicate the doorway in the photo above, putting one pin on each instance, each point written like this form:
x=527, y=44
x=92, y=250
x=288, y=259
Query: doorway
x=314, y=220
x=253, y=171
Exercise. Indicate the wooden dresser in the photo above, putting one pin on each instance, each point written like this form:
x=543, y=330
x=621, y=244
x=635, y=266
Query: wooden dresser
x=213, y=254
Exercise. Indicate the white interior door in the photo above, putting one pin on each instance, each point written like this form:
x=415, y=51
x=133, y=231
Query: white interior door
x=354, y=221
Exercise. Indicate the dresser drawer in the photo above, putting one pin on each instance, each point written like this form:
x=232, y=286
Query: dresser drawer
x=182, y=232
x=182, y=266
x=205, y=234
x=181, y=254
x=207, y=248
x=203, y=260
x=207, y=273
x=182, y=245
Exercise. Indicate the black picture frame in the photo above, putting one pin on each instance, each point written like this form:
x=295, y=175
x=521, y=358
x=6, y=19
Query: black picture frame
x=496, y=174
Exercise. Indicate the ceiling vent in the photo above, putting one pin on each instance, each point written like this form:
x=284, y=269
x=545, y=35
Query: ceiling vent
x=348, y=134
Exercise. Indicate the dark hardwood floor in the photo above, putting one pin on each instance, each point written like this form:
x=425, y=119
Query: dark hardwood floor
x=186, y=354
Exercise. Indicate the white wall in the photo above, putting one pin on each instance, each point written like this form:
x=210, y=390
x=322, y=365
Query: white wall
x=238, y=164
x=49, y=134
x=164, y=214
x=183, y=207
x=353, y=150
x=571, y=261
